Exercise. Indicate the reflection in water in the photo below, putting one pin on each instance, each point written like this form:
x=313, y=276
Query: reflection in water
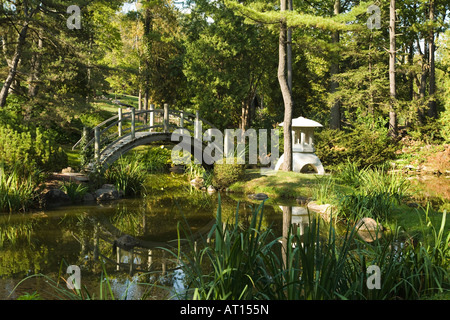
x=83, y=235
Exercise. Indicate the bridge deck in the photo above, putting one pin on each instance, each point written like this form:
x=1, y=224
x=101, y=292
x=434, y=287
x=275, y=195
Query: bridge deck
x=125, y=139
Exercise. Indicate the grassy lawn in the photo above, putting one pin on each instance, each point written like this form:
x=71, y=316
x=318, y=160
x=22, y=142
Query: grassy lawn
x=110, y=106
x=282, y=184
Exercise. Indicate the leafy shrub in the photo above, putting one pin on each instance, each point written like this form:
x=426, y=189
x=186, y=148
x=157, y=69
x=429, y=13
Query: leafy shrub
x=32, y=148
x=226, y=174
x=361, y=146
x=432, y=132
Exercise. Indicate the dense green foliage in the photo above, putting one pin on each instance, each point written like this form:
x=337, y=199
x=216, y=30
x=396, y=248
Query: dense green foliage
x=334, y=147
x=34, y=149
x=225, y=174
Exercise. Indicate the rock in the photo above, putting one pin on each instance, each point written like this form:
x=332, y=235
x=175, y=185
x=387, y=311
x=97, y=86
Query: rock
x=368, y=224
x=258, y=196
x=369, y=230
x=370, y=236
x=56, y=195
x=324, y=210
x=68, y=170
x=197, y=182
x=177, y=169
x=108, y=186
x=211, y=189
x=413, y=205
x=88, y=197
x=107, y=192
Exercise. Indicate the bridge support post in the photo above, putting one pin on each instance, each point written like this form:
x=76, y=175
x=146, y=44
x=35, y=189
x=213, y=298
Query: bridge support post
x=133, y=123
x=182, y=119
x=97, y=143
x=120, y=122
x=152, y=117
x=166, y=118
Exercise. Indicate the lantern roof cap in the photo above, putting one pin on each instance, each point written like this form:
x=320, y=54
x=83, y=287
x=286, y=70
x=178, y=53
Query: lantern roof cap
x=303, y=122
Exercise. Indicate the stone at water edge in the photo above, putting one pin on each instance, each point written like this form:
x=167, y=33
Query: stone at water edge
x=107, y=192
x=197, y=182
x=258, y=196
x=368, y=224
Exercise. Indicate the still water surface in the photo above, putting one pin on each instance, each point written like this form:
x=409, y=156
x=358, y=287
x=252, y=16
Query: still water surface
x=46, y=242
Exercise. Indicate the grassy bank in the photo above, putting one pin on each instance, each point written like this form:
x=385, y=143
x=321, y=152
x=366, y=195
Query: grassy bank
x=353, y=193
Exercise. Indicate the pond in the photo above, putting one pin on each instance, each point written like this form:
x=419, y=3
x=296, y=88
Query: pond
x=48, y=241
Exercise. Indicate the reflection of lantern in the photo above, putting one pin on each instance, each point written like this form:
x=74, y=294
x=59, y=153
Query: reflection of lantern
x=303, y=146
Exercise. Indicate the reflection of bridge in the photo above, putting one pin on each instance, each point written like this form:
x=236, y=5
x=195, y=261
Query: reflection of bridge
x=127, y=130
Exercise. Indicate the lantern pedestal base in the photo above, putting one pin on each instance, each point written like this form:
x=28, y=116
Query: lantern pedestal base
x=301, y=160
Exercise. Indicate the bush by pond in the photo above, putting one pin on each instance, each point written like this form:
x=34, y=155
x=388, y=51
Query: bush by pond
x=226, y=174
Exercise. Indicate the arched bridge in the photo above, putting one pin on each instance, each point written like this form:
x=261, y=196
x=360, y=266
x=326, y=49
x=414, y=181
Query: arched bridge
x=127, y=130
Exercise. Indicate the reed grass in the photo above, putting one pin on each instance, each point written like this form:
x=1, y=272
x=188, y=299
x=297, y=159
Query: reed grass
x=17, y=193
x=251, y=263
x=376, y=191
x=128, y=174
x=74, y=190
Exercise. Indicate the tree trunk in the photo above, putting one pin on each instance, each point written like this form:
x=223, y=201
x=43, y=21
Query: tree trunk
x=244, y=116
x=422, y=83
x=432, y=111
x=287, y=97
x=35, y=71
x=147, y=29
x=14, y=65
x=392, y=91
x=289, y=51
x=335, y=121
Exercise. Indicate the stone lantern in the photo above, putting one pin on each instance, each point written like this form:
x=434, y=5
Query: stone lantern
x=303, y=146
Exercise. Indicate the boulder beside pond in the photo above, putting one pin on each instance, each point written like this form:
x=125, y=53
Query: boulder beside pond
x=55, y=196
x=368, y=224
x=258, y=196
x=107, y=192
x=325, y=210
